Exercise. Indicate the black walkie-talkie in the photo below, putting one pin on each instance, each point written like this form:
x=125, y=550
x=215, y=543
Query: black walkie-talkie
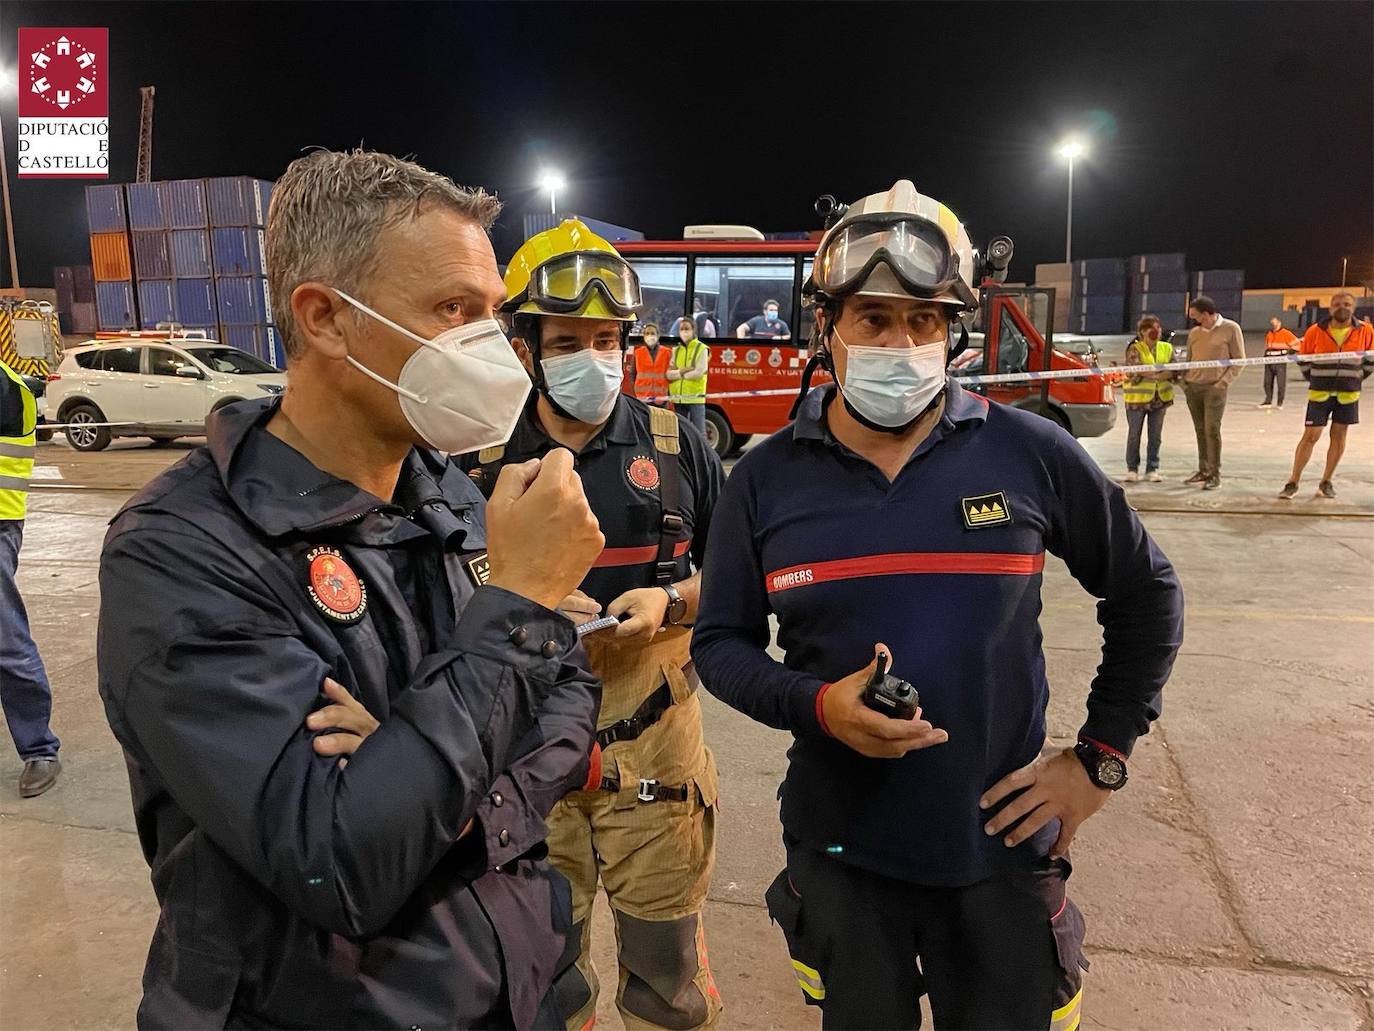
x=890, y=695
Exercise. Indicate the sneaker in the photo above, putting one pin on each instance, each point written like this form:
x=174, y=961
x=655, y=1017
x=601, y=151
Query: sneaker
x=1154, y=477
x=1264, y=404
x=1197, y=477
x=1289, y=490
x=1325, y=490
x=1131, y=476
x=1211, y=483
x=1278, y=407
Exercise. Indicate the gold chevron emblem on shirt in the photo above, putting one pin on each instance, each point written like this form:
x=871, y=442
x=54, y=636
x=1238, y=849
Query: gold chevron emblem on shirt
x=986, y=510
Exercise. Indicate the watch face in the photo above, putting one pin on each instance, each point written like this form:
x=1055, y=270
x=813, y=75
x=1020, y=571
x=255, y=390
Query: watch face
x=1110, y=771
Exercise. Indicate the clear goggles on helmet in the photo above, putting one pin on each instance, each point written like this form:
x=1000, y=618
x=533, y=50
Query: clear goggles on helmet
x=914, y=249
x=564, y=284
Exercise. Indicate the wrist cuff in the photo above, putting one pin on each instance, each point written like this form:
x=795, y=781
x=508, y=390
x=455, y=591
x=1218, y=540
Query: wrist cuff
x=1099, y=745
x=820, y=709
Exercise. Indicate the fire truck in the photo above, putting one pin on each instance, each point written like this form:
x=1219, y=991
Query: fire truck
x=721, y=276
x=31, y=345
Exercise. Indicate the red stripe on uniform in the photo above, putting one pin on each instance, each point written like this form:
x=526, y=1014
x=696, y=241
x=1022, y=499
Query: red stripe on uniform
x=636, y=556
x=905, y=563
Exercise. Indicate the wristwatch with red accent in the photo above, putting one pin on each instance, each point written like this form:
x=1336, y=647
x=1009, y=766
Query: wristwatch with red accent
x=1106, y=766
x=677, y=606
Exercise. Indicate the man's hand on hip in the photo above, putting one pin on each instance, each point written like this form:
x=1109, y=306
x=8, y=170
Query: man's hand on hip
x=1055, y=786
x=871, y=733
x=541, y=534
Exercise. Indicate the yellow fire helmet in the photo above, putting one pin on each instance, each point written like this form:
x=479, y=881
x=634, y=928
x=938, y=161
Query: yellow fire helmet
x=569, y=270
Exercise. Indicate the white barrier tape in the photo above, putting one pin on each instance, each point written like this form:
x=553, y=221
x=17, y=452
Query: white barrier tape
x=1090, y=372
x=1098, y=372
x=97, y=425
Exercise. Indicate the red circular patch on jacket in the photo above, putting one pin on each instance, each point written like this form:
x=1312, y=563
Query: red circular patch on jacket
x=643, y=473
x=334, y=587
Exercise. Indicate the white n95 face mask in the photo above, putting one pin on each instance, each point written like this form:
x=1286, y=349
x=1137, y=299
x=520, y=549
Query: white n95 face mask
x=891, y=386
x=462, y=391
x=585, y=384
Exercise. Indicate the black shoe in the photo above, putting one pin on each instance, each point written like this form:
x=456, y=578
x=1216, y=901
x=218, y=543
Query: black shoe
x=1289, y=490
x=1211, y=483
x=38, y=776
x=1325, y=490
x=1197, y=477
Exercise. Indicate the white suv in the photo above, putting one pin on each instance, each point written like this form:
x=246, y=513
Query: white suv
x=162, y=389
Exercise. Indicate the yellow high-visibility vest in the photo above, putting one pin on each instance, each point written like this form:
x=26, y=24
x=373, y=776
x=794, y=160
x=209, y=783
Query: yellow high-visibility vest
x=688, y=391
x=1146, y=391
x=16, y=455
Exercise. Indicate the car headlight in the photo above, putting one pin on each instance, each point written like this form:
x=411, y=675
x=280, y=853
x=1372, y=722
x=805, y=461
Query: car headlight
x=270, y=388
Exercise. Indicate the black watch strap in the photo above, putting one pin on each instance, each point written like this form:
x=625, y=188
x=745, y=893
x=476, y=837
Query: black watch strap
x=1106, y=769
x=677, y=605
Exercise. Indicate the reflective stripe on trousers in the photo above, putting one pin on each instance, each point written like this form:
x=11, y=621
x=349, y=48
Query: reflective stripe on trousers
x=1067, y=1017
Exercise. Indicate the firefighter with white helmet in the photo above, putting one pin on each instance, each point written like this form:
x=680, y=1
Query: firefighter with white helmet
x=926, y=835
x=644, y=825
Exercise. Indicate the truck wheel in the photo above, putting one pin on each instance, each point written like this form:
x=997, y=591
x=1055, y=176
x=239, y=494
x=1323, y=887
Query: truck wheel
x=718, y=432
x=1055, y=415
x=82, y=432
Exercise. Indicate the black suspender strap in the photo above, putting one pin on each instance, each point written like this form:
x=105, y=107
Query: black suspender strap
x=663, y=426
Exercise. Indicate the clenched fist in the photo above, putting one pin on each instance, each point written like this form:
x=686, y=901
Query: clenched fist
x=541, y=534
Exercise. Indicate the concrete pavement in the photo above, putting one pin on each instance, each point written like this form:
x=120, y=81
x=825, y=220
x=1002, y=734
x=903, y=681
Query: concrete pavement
x=1227, y=887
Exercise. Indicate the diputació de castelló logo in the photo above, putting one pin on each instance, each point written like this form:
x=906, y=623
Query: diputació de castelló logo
x=64, y=124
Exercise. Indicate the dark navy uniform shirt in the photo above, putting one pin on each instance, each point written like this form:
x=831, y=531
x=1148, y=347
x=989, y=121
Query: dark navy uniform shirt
x=621, y=481
x=295, y=891
x=944, y=565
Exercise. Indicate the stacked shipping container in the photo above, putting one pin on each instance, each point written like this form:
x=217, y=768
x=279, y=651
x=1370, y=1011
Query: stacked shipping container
x=1098, y=302
x=110, y=258
x=189, y=251
x=1060, y=277
x=1157, y=285
x=238, y=214
x=171, y=244
x=75, y=286
x=1224, y=287
x=1109, y=295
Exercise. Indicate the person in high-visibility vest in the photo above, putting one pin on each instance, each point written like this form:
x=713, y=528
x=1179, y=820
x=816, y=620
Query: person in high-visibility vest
x=1148, y=396
x=649, y=374
x=687, y=375
x=1333, y=388
x=24, y=691
x=1278, y=341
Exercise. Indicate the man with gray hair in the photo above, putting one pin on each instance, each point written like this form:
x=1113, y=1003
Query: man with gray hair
x=345, y=698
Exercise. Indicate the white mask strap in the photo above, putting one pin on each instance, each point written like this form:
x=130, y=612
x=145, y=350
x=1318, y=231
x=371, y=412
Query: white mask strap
x=418, y=398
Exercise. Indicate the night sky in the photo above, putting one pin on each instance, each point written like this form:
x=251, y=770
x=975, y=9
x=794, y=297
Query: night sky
x=1240, y=133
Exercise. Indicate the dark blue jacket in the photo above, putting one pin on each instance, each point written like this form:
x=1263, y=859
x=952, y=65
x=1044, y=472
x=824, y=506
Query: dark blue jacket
x=944, y=566
x=295, y=891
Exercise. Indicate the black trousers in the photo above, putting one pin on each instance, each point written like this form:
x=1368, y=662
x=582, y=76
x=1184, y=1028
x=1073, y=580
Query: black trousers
x=1275, y=375
x=1005, y=953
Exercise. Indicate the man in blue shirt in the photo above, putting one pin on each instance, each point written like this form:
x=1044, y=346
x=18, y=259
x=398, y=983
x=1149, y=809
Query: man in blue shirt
x=901, y=514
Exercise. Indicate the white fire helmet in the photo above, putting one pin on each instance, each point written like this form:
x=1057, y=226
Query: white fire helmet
x=898, y=243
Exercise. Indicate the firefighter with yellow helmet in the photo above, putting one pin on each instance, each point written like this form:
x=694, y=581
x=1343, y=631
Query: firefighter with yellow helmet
x=644, y=826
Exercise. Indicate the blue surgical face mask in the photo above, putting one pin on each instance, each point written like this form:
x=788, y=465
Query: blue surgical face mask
x=891, y=386
x=770, y=314
x=585, y=384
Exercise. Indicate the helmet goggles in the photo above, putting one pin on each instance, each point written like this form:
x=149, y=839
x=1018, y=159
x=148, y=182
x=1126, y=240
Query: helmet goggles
x=564, y=284
x=916, y=250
